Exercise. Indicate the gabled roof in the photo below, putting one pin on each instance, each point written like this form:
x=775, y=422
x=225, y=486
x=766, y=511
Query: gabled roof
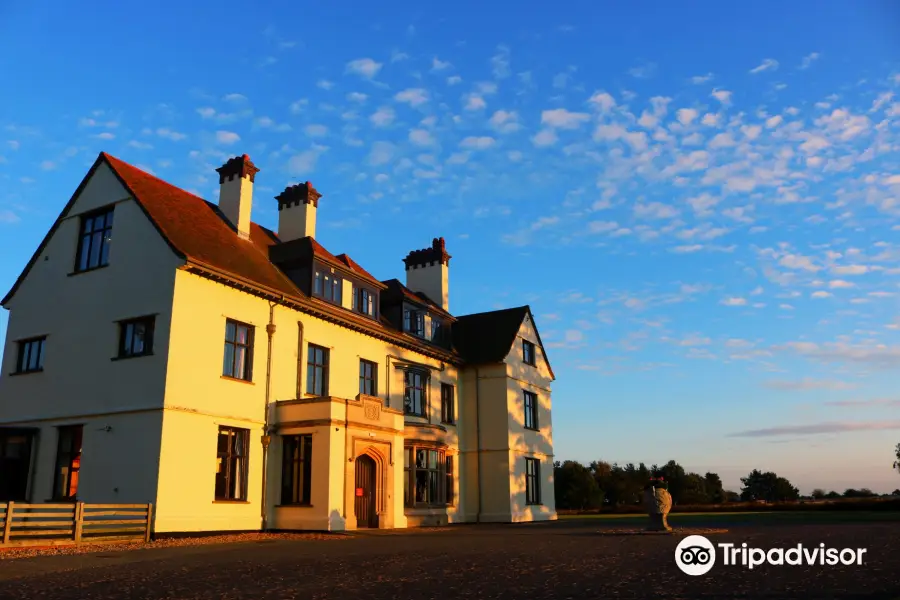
x=199, y=233
x=488, y=337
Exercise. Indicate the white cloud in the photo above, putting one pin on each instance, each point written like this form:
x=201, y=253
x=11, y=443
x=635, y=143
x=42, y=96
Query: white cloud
x=654, y=210
x=504, y=121
x=325, y=84
x=723, y=96
x=840, y=284
x=500, y=62
x=381, y=153
x=686, y=115
x=315, y=130
x=545, y=137
x=303, y=163
x=809, y=59
x=383, y=116
x=227, y=137
x=734, y=301
x=562, y=118
x=454, y=80
x=602, y=226
x=769, y=64
x=698, y=79
x=477, y=143
x=773, y=122
x=850, y=270
x=412, y=96
x=169, y=134
x=475, y=102
x=602, y=101
x=439, y=65
x=236, y=98
x=421, y=137
x=797, y=262
x=356, y=97
x=703, y=204
x=820, y=294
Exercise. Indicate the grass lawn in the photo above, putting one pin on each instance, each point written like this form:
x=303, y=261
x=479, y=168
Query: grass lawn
x=759, y=517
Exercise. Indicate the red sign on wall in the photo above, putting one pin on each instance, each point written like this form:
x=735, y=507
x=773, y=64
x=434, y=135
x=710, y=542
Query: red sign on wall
x=359, y=491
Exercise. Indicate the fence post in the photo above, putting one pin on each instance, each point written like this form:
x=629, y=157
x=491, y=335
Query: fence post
x=8, y=522
x=149, y=520
x=79, y=521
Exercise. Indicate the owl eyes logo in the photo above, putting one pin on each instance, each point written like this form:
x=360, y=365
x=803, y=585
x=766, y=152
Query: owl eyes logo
x=695, y=555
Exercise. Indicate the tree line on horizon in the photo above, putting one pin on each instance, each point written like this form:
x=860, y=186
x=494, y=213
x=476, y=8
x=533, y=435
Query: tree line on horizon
x=601, y=484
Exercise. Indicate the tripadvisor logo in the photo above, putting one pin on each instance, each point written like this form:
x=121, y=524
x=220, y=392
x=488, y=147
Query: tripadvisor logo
x=696, y=555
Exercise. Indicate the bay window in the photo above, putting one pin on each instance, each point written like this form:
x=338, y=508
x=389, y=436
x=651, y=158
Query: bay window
x=428, y=477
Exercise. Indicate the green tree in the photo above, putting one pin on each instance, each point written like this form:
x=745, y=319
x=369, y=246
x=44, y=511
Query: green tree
x=575, y=486
x=897, y=456
x=818, y=494
x=714, y=490
x=767, y=486
x=832, y=495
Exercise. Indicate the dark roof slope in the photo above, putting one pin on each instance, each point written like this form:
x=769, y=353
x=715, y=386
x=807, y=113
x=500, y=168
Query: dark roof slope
x=396, y=291
x=488, y=337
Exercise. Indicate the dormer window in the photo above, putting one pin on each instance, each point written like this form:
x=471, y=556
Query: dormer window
x=437, y=330
x=414, y=321
x=327, y=286
x=364, y=301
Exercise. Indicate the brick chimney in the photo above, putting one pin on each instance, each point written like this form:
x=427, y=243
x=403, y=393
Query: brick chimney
x=428, y=272
x=297, y=206
x=236, y=192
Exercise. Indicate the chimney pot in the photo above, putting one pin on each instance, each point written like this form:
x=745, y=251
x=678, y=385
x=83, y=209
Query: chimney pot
x=236, y=179
x=428, y=270
x=297, y=206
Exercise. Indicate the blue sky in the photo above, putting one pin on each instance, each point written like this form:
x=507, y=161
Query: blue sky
x=699, y=203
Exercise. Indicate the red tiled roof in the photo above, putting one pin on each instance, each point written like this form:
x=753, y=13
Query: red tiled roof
x=354, y=266
x=199, y=231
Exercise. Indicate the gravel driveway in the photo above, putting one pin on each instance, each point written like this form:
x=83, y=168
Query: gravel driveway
x=565, y=559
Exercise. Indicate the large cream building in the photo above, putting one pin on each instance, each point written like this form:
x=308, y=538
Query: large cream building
x=165, y=349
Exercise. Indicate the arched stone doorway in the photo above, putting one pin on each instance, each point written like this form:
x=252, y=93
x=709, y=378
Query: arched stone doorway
x=366, y=492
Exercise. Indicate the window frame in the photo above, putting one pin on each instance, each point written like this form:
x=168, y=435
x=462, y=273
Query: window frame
x=417, y=315
x=371, y=377
x=444, y=482
x=235, y=451
x=247, y=374
x=296, y=467
x=363, y=293
x=149, y=323
x=85, y=236
x=526, y=346
x=530, y=410
x=311, y=368
x=335, y=294
x=72, y=453
x=448, y=405
x=533, y=482
x=407, y=386
x=24, y=350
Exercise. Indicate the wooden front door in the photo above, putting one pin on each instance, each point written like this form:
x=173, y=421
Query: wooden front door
x=366, y=516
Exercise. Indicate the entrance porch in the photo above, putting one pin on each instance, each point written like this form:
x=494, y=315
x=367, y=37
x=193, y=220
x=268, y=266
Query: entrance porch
x=332, y=465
